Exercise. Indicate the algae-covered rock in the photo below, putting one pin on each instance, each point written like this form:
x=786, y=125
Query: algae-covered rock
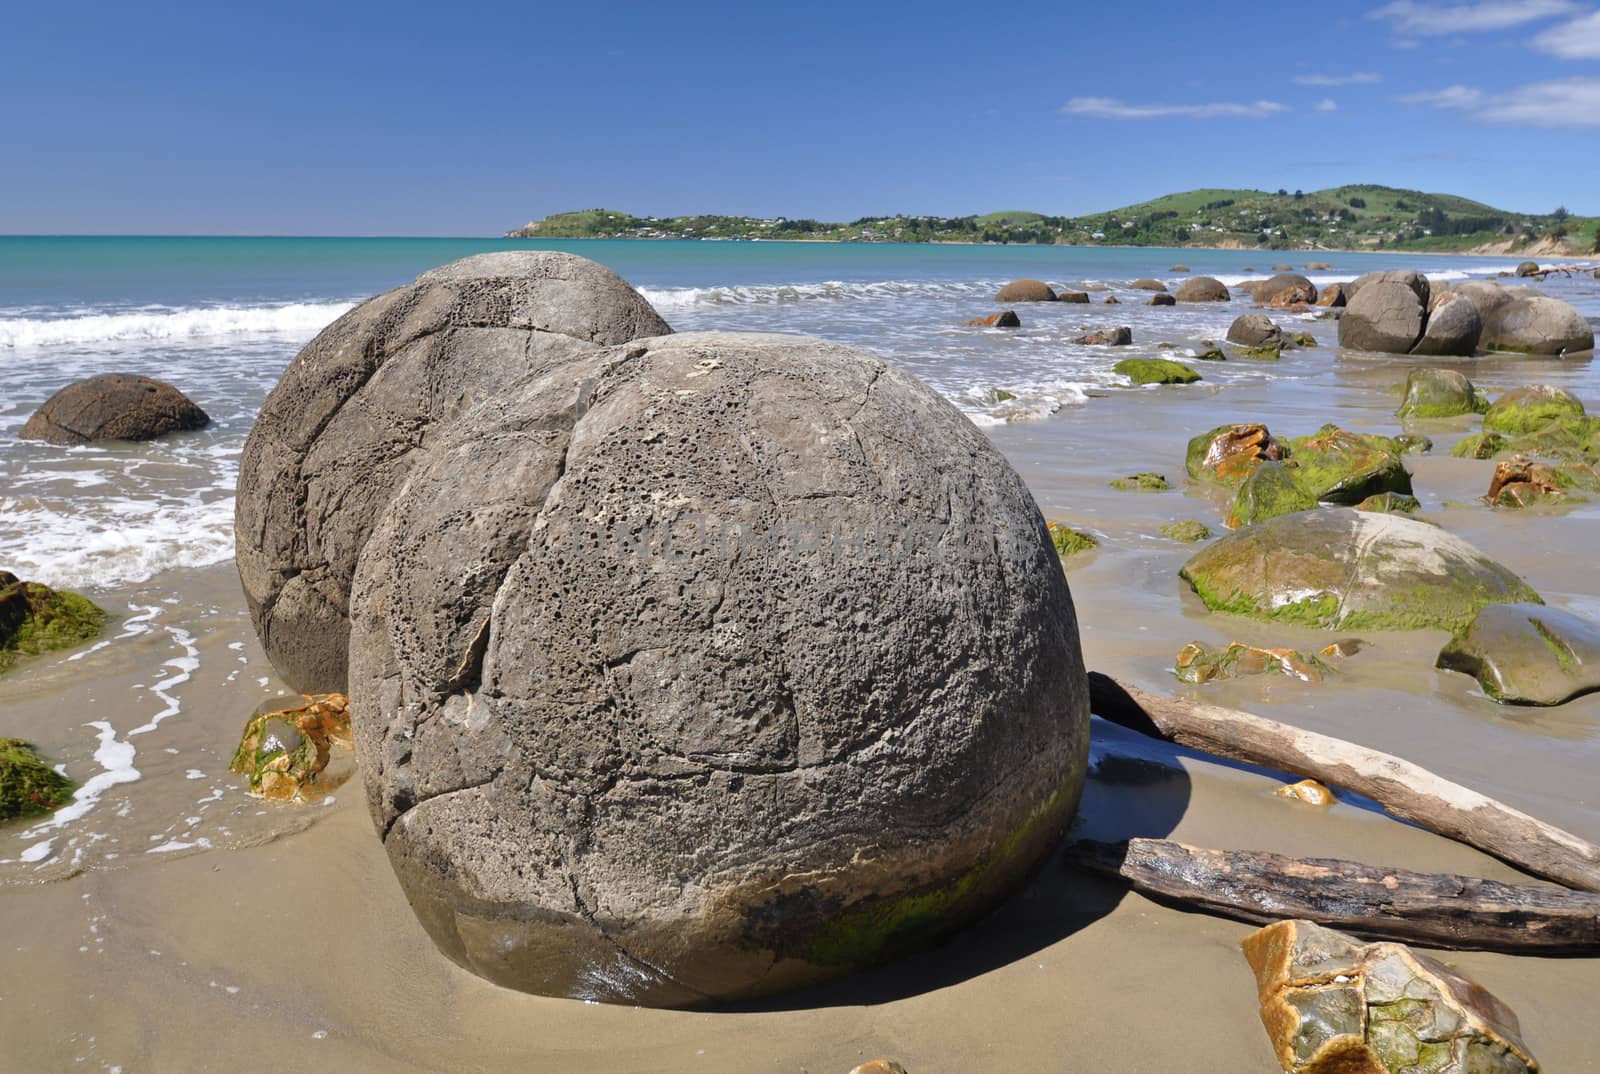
x=1332, y=1005
x=1273, y=489
x=1412, y=444
x=1390, y=503
x=1199, y=663
x=1522, y=482
x=1303, y=339
x=1267, y=352
x=1188, y=531
x=1142, y=482
x=1068, y=541
x=1228, y=454
x=27, y=784
x=1155, y=371
x=1339, y=466
x=1576, y=439
x=1479, y=446
x=1440, y=393
x=1210, y=354
x=1527, y=654
x=36, y=619
x=1353, y=569
x=1524, y=410
x=287, y=745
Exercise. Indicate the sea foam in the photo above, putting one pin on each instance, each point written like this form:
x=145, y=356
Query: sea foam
x=164, y=323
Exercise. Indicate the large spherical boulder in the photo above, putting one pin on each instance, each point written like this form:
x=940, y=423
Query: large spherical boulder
x=1453, y=328
x=1384, y=315
x=1416, y=281
x=1537, y=325
x=1145, y=283
x=340, y=432
x=1286, y=289
x=1027, y=291
x=710, y=666
x=1488, y=295
x=1337, y=567
x=1254, y=330
x=113, y=406
x=1202, y=289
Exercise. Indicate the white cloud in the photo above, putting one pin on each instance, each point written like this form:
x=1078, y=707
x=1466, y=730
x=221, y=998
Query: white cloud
x=1111, y=108
x=1355, y=78
x=1567, y=102
x=1575, y=40
x=1434, y=20
x=1327, y=104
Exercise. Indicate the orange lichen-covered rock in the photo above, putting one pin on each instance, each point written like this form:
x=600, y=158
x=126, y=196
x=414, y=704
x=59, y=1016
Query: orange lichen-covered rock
x=1198, y=663
x=1230, y=453
x=286, y=747
x=1332, y=1005
x=1308, y=791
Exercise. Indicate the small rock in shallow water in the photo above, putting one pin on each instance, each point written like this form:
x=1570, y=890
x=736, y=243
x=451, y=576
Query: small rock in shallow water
x=114, y=406
x=1527, y=654
x=1109, y=337
x=27, y=784
x=1200, y=663
x=1308, y=791
x=36, y=619
x=1390, y=502
x=1155, y=371
x=1440, y=393
x=1521, y=482
x=1005, y=319
x=1188, y=531
x=1332, y=1005
x=286, y=748
x=1145, y=482
x=1026, y=291
x=1067, y=541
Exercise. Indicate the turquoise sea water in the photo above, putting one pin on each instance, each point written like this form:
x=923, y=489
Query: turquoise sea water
x=221, y=317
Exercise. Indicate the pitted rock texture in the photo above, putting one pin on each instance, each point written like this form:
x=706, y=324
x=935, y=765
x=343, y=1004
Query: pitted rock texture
x=339, y=433
x=708, y=666
x=113, y=406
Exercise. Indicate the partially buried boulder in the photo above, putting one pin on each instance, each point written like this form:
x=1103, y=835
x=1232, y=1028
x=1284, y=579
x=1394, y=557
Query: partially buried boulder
x=1536, y=325
x=1202, y=289
x=1453, y=328
x=1253, y=330
x=616, y=740
x=1162, y=300
x=1080, y=298
x=1384, y=315
x=113, y=406
x=1332, y=1005
x=1527, y=654
x=1339, y=567
x=1523, y=410
x=1026, y=291
x=339, y=434
x=36, y=619
x=1147, y=284
x=1440, y=393
x=1155, y=371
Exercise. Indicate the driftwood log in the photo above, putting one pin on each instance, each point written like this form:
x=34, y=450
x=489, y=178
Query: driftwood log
x=1404, y=789
x=1458, y=912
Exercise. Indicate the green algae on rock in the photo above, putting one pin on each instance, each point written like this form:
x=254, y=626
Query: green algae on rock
x=1211, y=354
x=1198, y=663
x=1524, y=410
x=1303, y=339
x=1338, y=567
x=1332, y=1005
x=28, y=785
x=1068, y=542
x=1412, y=444
x=1479, y=446
x=1527, y=654
x=1155, y=371
x=1188, y=531
x=1266, y=352
x=1520, y=482
x=1440, y=393
x=1389, y=503
x=1141, y=482
x=1228, y=454
x=1338, y=466
x=287, y=744
x=36, y=619
x=1273, y=489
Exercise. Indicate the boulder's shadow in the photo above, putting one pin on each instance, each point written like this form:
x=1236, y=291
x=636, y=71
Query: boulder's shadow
x=1136, y=788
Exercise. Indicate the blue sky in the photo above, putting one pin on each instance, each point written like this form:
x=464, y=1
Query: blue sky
x=368, y=118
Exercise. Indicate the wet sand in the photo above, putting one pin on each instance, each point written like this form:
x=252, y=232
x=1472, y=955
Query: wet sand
x=287, y=943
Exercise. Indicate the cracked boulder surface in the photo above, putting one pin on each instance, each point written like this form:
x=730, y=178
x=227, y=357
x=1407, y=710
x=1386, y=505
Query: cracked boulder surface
x=338, y=435
x=1332, y=1005
x=709, y=666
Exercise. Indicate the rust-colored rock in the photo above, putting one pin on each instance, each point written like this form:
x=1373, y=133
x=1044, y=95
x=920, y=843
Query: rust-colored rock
x=1308, y=791
x=1109, y=337
x=286, y=747
x=1004, y=319
x=1332, y=296
x=1521, y=482
x=880, y=1066
x=1294, y=296
x=1198, y=663
x=1230, y=453
x=1332, y=1005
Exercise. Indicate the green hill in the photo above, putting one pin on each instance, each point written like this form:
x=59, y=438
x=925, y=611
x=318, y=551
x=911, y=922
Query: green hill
x=1358, y=217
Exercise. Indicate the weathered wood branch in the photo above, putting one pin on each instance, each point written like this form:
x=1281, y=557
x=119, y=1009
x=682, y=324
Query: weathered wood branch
x=1404, y=789
x=1456, y=912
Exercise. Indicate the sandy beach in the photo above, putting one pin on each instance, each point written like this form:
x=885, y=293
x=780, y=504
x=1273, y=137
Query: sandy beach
x=186, y=914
